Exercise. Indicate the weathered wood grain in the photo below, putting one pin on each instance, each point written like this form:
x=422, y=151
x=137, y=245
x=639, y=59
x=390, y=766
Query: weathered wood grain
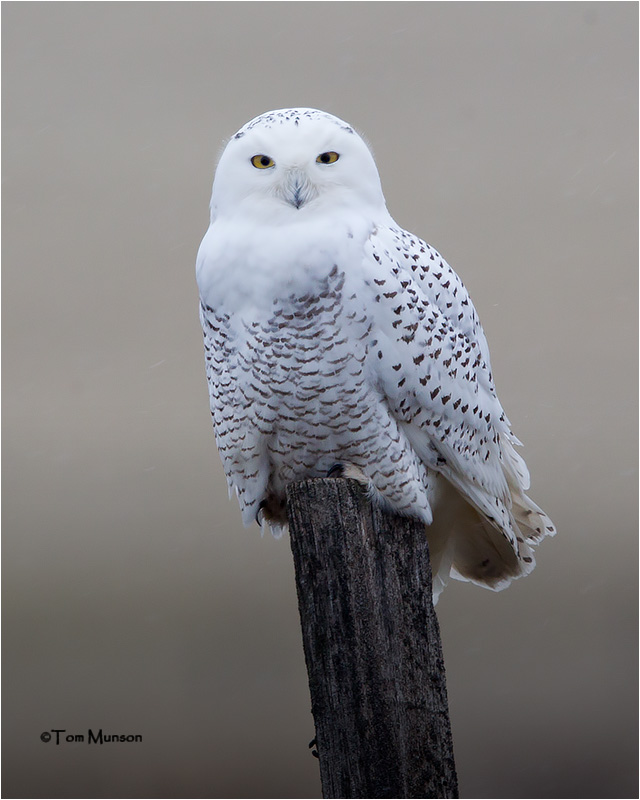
x=372, y=645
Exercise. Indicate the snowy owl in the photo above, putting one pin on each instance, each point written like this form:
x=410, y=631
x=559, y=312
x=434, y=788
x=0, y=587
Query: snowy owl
x=334, y=337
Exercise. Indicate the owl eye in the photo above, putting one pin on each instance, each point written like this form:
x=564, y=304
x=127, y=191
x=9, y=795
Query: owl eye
x=327, y=158
x=263, y=162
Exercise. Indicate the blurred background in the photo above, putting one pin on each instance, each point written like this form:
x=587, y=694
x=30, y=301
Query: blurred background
x=134, y=601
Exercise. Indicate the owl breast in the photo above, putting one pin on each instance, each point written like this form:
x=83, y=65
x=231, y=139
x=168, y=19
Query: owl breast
x=291, y=396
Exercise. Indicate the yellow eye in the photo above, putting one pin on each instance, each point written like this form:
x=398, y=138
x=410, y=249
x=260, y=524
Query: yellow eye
x=327, y=158
x=263, y=162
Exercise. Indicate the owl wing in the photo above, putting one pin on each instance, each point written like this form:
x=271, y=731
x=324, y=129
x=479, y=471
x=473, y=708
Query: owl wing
x=431, y=360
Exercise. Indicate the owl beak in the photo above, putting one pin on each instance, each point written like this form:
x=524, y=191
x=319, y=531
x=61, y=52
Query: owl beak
x=298, y=189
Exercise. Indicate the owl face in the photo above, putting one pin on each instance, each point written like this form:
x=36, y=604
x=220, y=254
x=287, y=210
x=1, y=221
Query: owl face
x=289, y=164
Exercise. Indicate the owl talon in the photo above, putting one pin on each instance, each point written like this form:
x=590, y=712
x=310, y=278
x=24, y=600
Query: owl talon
x=259, y=514
x=313, y=744
x=336, y=471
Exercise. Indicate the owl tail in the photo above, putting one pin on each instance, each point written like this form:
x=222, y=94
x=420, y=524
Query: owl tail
x=466, y=546
x=530, y=519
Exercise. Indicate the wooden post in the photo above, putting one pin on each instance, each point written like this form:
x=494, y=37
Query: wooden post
x=372, y=645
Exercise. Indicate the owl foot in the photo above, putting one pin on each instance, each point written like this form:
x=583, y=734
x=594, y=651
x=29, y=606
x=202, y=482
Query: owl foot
x=340, y=470
x=313, y=744
x=272, y=510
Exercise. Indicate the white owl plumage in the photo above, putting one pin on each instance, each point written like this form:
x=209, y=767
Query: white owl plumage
x=333, y=336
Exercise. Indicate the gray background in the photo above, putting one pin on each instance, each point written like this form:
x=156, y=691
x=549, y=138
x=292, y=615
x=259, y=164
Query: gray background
x=506, y=135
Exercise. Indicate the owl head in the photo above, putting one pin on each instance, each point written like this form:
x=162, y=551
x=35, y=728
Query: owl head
x=290, y=164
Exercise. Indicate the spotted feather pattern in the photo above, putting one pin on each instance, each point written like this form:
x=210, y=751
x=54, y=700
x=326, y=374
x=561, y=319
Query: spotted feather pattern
x=441, y=389
x=270, y=434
